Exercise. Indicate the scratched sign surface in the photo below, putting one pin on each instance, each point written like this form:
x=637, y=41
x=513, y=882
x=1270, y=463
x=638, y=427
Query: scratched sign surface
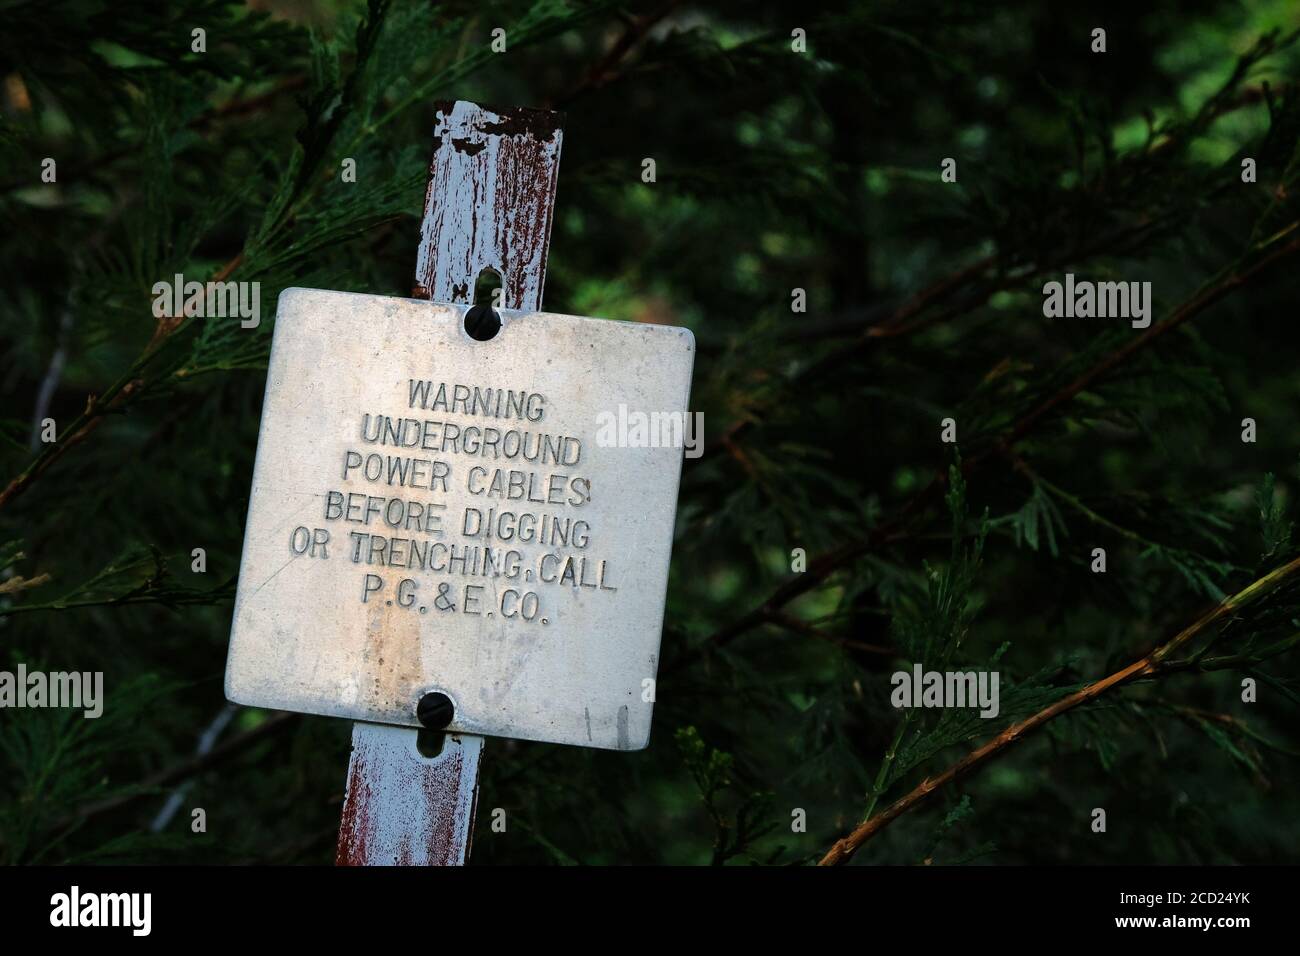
x=492, y=520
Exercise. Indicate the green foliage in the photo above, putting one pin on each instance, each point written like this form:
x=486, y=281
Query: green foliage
x=737, y=827
x=776, y=171
x=1273, y=524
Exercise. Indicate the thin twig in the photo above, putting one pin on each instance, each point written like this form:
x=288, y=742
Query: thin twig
x=1151, y=664
x=823, y=566
x=185, y=769
x=601, y=72
x=207, y=740
x=800, y=626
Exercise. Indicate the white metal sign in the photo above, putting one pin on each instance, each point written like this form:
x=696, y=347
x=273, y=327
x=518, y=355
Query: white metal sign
x=487, y=519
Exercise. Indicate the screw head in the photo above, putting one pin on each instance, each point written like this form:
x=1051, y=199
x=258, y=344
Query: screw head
x=435, y=710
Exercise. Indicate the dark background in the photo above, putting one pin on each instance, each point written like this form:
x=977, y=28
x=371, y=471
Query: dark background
x=776, y=170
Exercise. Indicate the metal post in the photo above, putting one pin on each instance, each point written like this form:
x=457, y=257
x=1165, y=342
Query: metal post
x=489, y=205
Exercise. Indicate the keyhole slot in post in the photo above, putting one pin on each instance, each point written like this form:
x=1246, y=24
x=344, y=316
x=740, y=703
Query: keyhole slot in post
x=489, y=289
x=429, y=743
x=434, y=711
x=482, y=322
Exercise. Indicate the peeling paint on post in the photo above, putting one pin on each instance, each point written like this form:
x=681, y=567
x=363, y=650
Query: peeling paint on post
x=403, y=809
x=489, y=204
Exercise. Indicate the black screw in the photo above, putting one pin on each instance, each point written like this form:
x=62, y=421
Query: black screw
x=435, y=710
x=482, y=323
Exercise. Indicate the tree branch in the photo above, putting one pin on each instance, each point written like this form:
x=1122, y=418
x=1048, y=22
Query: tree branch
x=823, y=566
x=601, y=72
x=185, y=769
x=1150, y=665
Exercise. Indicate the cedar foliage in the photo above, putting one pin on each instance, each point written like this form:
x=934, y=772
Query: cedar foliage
x=776, y=171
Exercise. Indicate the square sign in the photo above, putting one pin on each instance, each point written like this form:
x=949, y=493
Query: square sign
x=488, y=519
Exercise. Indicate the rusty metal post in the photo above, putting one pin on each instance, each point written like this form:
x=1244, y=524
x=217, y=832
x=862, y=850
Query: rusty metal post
x=489, y=205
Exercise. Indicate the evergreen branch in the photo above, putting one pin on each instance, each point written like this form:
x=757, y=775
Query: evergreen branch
x=1117, y=243
x=111, y=402
x=907, y=318
x=823, y=566
x=1217, y=289
x=1078, y=504
x=1150, y=665
x=899, y=323
x=800, y=626
x=1225, y=661
x=238, y=108
x=910, y=318
x=1199, y=717
x=819, y=569
x=184, y=769
x=78, y=431
x=145, y=595
x=531, y=29
x=1191, y=564
x=964, y=290
x=881, y=783
x=600, y=73
x=139, y=576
